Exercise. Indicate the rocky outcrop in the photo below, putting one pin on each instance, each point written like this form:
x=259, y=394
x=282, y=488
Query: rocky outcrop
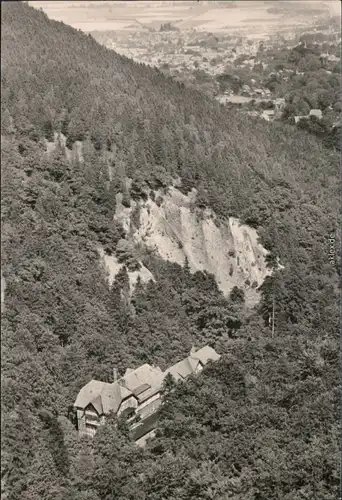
x=169, y=223
x=113, y=266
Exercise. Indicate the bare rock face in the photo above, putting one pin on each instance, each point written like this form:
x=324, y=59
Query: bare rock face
x=113, y=266
x=172, y=226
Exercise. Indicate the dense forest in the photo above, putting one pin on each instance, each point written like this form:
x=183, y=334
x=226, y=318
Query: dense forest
x=262, y=423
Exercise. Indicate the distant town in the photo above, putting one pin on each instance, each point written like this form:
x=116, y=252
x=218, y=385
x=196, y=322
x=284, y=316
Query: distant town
x=267, y=77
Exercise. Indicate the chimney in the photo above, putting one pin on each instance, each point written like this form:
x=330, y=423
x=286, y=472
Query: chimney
x=115, y=375
x=192, y=350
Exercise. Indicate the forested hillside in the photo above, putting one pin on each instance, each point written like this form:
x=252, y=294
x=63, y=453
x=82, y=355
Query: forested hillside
x=263, y=422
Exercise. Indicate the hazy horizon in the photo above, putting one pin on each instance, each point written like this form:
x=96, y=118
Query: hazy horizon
x=204, y=15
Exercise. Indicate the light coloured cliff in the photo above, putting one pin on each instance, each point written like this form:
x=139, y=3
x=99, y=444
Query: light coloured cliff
x=175, y=229
x=112, y=267
x=170, y=224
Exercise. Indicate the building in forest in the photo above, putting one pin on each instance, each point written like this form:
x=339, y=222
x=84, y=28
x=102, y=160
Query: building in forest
x=136, y=395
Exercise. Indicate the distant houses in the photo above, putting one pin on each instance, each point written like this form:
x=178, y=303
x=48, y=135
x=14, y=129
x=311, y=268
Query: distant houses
x=274, y=107
x=279, y=103
x=298, y=118
x=136, y=395
x=317, y=113
x=246, y=90
x=268, y=114
x=264, y=93
x=329, y=58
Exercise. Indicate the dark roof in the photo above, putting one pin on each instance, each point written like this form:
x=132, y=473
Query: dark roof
x=148, y=393
x=140, y=389
x=146, y=425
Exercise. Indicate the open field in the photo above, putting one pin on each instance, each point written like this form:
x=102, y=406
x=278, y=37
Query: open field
x=250, y=16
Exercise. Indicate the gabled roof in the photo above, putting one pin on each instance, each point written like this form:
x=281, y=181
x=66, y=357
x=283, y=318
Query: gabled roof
x=142, y=388
x=141, y=383
x=145, y=381
x=112, y=397
x=206, y=354
x=183, y=368
x=128, y=370
x=103, y=396
x=89, y=392
x=97, y=404
x=145, y=374
x=148, y=393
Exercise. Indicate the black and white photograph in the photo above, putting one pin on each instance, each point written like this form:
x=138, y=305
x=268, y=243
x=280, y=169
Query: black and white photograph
x=170, y=250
